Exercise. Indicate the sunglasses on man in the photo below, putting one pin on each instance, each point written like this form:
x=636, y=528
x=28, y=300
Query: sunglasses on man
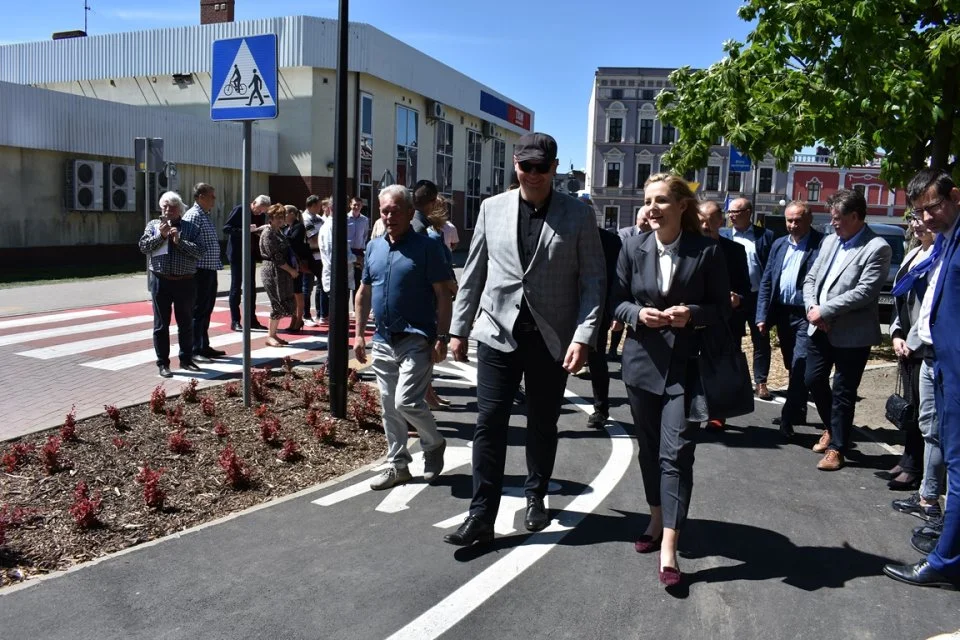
x=539, y=167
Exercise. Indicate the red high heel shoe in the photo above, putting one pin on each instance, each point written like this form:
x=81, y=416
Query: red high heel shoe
x=646, y=544
x=669, y=576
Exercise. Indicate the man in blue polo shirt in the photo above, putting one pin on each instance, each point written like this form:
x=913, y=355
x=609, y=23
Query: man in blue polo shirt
x=405, y=275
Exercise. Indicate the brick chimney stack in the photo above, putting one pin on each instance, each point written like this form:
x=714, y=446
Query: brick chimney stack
x=212, y=11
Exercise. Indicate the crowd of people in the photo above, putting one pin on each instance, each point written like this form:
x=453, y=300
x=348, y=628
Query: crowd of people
x=542, y=289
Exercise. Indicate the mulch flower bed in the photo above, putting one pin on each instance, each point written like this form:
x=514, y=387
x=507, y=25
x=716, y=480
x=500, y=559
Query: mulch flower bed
x=96, y=486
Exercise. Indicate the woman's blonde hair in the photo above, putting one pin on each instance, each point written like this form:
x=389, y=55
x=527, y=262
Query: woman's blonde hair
x=438, y=213
x=681, y=192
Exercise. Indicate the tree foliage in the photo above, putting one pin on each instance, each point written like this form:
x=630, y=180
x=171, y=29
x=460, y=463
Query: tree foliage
x=854, y=75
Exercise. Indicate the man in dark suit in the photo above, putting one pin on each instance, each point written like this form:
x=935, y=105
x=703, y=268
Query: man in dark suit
x=780, y=304
x=234, y=231
x=934, y=194
x=840, y=293
x=711, y=219
x=597, y=360
x=756, y=242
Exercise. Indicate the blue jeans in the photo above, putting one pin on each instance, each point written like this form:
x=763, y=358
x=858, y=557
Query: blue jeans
x=306, y=287
x=933, y=469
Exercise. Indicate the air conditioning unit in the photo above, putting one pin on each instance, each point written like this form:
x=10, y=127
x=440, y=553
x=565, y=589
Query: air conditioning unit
x=488, y=130
x=121, y=187
x=165, y=182
x=435, y=110
x=84, y=185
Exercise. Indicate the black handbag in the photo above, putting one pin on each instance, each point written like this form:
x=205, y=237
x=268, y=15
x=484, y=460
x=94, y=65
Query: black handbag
x=725, y=376
x=901, y=413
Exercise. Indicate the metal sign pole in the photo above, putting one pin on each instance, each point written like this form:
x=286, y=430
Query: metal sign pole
x=246, y=263
x=338, y=347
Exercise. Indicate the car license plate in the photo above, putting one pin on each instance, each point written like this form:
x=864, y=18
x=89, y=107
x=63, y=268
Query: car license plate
x=886, y=300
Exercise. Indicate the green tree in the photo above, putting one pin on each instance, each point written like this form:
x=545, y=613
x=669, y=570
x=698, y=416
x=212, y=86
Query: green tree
x=854, y=75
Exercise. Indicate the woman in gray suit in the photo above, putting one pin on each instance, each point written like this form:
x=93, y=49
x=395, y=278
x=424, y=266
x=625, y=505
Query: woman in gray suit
x=671, y=282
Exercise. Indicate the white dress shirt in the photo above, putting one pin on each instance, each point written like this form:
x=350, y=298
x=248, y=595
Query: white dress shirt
x=666, y=263
x=748, y=241
x=926, y=306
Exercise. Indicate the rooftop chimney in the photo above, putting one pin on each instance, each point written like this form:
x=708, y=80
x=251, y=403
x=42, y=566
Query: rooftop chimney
x=212, y=11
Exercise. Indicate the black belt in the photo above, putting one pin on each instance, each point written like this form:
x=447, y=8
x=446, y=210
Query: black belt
x=164, y=276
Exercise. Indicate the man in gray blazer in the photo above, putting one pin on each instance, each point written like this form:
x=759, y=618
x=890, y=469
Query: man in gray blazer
x=531, y=291
x=840, y=295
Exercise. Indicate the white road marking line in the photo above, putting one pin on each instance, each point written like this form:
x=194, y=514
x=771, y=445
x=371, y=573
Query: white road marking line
x=56, y=317
x=266, y=354
x=399, y=498
x=84, y=346
x=512, y=501
x=118, y=363
x=455, y=607
x=30, y=336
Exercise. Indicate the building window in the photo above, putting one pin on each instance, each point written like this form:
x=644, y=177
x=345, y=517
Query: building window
x=616, y=94
x=813, y=191
x=365, y=183
x=644, y=169
x=611, y=217
x=407, y=143
x=474, y=160
x=648, y=94
x=733, y=181
x=613, y=174
x=766, y=180
x=669, y=134
x=444, y=173
x=646, y=131
x=690, y=176
x=499, y=165
x=713, y=178
x=615, y=130
x=861, y=189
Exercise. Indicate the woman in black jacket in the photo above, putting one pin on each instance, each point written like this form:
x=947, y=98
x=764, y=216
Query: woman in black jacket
x=671, y=282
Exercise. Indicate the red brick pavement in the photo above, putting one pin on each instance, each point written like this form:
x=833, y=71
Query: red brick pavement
x=108, y=359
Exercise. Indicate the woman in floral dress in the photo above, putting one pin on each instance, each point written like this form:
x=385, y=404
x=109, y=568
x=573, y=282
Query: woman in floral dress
x=278, y=272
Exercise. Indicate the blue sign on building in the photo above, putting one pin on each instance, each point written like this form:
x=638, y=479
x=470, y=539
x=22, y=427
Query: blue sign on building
x=244, y=78
x=738, y=161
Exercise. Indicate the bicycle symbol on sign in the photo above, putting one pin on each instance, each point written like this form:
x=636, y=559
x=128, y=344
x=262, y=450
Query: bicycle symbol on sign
x=235, y=85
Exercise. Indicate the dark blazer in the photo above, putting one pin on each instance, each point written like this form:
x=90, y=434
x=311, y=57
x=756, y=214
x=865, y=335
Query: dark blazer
x=611, y=244
x=656, y=360
x=906, y=307
x=763, y=241
x=736, y=258
x=233, y=229
x=946, y=305
x=768, y=298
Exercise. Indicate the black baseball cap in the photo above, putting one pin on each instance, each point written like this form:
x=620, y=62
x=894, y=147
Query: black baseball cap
x=535, y=147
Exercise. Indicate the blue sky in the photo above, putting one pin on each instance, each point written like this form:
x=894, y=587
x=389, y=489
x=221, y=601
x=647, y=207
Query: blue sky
x=542, y=58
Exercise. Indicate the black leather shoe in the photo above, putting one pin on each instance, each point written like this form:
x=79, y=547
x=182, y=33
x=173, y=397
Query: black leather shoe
x=925, y=540
x=597, y=419
x=165, y=372
x=920, y=574
x=210, y=352
x=189, y=366
x=786, y=430
x=472, y=530
x=236, y=326
x=256, y=326
x=536, y=518
x=202, y=359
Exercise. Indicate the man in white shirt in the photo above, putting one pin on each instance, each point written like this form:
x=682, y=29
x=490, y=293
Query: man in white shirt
x=325, y=242
x=450, y=236
x=358, y=233
x=312, y=223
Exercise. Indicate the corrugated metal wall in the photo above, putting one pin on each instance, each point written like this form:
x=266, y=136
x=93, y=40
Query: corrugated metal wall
x=41, y=119
x=303, y=41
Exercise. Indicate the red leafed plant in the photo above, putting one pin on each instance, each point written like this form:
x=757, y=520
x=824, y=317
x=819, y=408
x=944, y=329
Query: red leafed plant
x=258, y=384
x=261, y=411
x=85, y=508
x=324, y=427
x=287, y=383
x=352, y=379
x=178, y=442
x=209, y=406
x=320, y=374
x=189, y=391
x=69, y=429
x=323, y=394
x=10, y=518
x=50, y=455
x=114, y=414
x=119, y=443
x=232, y=389
x=308, y=393
x=153, y=495
x=158, y=398
x=175, y=417
x=16, y=456
x=288, y=364
x=237, y=474
x=220, y=430
x=290, y=451
x=358, y=412
x=270, y=431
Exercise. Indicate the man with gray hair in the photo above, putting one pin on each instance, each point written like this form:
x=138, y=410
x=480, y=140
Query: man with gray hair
x=173, y=247
x=234, y=231
x=204, y=199
x=405, y=277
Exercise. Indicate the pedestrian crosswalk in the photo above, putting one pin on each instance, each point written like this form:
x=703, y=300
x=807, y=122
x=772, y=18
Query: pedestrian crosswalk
x=119, y=339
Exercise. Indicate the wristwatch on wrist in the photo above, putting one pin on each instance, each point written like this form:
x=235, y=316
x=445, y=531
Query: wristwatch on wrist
x=444, y=338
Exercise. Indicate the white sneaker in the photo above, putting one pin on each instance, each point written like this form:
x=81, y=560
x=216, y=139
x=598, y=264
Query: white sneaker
x=391, y=477
x=309, y=322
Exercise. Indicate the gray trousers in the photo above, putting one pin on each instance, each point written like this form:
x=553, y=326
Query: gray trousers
x=934, y=469
x=666, y=441
x=403, y=372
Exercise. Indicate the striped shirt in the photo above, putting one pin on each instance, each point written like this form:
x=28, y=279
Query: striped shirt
x=208, y=238
x=180, y=258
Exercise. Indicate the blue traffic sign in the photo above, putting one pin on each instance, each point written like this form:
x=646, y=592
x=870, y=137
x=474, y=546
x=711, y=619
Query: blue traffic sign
x=244, y=78
x=738, y=161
